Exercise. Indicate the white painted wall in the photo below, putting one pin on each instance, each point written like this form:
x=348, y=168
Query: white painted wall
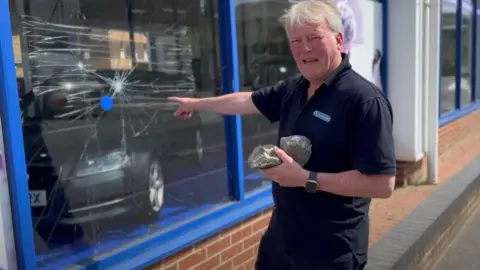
x=405, y=76
x=406, y=79
x=361, y=55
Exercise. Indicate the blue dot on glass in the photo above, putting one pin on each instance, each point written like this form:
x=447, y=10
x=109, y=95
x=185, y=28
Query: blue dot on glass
x=106, y=103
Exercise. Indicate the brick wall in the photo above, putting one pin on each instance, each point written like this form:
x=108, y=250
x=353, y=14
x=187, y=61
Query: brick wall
x=233, y=249
x=236, y=248
x=459, y=132
x=459, y=143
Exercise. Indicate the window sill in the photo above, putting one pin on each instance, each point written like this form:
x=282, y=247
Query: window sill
x=160, y=246
x=456, y=114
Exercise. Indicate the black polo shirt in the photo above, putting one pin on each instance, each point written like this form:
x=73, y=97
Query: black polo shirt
x=349, y=122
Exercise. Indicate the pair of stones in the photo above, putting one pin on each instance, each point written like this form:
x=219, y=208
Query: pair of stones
x=297, y=146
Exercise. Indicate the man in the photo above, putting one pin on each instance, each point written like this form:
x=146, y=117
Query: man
x=320, y=220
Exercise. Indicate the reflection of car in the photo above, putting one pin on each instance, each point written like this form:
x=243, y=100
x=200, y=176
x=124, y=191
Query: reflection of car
x=448, y=92
x=85, y=163
x=269, y=70
x=266, y=71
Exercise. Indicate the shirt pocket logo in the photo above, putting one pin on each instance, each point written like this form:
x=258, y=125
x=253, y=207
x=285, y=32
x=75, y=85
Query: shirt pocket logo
x=322, y=116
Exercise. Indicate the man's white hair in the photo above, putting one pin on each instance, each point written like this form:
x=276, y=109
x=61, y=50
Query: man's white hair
x=312, y=12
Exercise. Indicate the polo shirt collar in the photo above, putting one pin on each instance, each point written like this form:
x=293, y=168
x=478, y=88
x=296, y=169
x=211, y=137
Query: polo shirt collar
x=344, y=66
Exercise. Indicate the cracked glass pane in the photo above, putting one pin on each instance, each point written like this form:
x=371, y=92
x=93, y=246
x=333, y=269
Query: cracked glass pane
x=107, y=162
x=264, y=60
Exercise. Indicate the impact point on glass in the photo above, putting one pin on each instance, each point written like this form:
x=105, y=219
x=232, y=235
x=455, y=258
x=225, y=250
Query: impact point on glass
x=106, y=103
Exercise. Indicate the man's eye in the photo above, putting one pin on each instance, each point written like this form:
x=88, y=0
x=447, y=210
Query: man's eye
x=315, y=38
x=295, y=41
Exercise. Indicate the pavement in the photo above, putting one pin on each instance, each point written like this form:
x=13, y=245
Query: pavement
x=463, y=252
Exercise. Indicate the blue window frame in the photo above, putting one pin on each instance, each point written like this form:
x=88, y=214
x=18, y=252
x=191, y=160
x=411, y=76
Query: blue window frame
x=14, y=154
x=459, y=59
x=151, y=248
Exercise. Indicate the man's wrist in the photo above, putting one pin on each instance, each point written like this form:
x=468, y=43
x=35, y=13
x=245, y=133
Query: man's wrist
x=197, y=104
x=304, y=178
x=320, y=177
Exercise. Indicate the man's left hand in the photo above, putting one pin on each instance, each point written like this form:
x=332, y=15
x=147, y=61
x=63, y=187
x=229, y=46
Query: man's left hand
x=287, y=174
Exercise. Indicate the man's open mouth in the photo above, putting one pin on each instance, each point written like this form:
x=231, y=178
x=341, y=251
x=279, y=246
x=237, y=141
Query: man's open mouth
x=310, y=61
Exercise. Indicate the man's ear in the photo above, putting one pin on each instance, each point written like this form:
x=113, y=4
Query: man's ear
x=339, y=40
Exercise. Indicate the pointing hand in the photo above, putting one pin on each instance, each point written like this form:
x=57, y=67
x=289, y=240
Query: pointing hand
x=185, y=108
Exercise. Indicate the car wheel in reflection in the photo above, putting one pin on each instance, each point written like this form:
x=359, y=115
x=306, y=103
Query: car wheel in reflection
x=153, y=189
x=156, y=186
x=199, y=145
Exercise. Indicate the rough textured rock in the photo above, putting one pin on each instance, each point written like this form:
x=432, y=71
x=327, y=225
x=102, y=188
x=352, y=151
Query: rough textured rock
x=296, y=146
x=264, y=157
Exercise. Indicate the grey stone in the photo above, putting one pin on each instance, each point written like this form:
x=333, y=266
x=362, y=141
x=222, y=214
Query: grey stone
x=296, y=146
x=264, y=157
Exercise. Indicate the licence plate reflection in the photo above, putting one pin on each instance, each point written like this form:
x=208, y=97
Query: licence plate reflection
x=38, y=198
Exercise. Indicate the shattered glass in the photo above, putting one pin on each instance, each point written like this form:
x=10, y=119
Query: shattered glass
x=108, y=164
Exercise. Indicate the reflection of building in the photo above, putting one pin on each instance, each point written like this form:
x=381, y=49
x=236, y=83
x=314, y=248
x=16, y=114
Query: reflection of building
x=118, y=54
x=450, y=64
x=18, y=55
x=212, y=204
x=265, y=36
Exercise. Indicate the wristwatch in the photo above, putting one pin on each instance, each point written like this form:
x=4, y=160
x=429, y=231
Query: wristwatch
x=312, y=185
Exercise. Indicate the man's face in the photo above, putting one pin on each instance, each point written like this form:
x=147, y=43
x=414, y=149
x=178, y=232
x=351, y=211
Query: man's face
x=314, y=48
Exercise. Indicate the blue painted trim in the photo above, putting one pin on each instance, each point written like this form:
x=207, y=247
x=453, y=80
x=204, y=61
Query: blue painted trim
x=454, y=115
x=14, y=149
x=384, y=64
x=440, y=64
x=473, y=82
x=159, y=247
x=231, y=84
x=458, y=55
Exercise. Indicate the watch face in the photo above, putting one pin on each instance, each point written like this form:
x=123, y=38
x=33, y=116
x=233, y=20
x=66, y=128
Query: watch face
x=311, y=186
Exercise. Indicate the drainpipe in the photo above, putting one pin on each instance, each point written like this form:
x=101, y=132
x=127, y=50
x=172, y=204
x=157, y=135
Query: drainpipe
x=431, y=89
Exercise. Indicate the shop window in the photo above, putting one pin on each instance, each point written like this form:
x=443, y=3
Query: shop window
x=466, y=62
x=448, y=57
x=476, y=95
x=458, y=83
x=108, y=164
x=264, y=59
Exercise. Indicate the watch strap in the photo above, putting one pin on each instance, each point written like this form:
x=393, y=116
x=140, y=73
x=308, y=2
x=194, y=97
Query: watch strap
x=311, y=186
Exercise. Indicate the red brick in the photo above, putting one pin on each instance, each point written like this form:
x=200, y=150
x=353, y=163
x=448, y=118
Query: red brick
x=240, y=267
x=193, y=259
x=252, y=240
x=178, y=256
x=241, y=234
x=218, y=246
x=243, y=257
x=225, y=266
x=209, y=264
x=250, y=265
x=232, y=251
x=171, y=267
x=261, y=224
x=255, y=249
x=207, y=242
